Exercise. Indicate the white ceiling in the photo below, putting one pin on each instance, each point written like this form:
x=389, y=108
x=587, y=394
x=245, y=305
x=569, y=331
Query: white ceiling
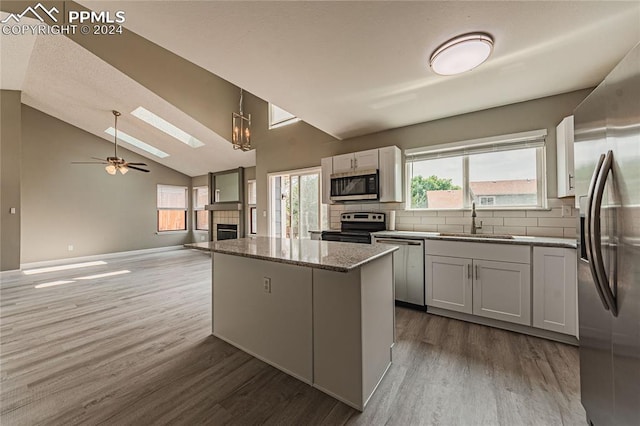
x=351, y=68
x=62, y=79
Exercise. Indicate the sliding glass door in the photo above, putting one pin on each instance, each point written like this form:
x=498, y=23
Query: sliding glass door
x=294, y=203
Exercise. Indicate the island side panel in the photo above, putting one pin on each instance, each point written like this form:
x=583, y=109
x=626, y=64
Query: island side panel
x=275, y=327
x=378, y=317
x=337, y=344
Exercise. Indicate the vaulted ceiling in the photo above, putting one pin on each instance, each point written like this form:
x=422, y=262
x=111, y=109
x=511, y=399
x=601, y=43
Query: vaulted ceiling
x=347, y=68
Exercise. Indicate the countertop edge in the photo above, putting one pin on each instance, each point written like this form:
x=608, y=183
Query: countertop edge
x=534, y=241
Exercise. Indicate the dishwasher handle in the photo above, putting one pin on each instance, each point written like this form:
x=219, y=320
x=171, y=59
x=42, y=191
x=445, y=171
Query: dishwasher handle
x=400, y=242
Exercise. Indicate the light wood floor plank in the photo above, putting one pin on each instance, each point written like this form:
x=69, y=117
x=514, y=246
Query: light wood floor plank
x=136, y=349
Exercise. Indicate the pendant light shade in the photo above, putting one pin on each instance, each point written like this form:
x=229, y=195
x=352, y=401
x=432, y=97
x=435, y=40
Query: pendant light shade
x=241, y=129
x=111, y=169
x=461, y=54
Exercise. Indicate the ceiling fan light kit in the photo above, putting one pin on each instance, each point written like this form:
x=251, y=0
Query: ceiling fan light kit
x=461, y=54
x=115, y=163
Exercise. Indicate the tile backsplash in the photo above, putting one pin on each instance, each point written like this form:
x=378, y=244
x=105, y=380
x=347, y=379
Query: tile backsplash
x=539, y=223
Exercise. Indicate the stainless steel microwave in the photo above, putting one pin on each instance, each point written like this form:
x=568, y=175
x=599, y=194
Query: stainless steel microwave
x=356, y=185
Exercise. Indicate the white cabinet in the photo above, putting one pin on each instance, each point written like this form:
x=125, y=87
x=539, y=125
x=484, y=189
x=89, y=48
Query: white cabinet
x=449, y=283
x=502, y=291
x=363, y=160
x=327, y=169
x=387, y=160
x=390, y=166
x=555, y=289
x=489, y=280
x=565, y=165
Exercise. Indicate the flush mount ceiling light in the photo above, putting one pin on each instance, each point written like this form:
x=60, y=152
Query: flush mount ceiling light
x=461, y=54
x=241, y=129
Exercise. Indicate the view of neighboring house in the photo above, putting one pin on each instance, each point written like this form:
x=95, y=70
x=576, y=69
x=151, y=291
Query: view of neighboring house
x=487, y=193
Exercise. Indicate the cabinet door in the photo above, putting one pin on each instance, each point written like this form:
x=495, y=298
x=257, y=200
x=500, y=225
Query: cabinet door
x=554, y=289
x=390, y=168
x=502, y=291
x=327, y=170
x=343, y=163
x=448, y=283
x=565, y=165
x=365, y=160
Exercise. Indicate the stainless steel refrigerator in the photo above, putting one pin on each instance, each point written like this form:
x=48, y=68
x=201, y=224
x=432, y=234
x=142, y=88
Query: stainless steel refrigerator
x=607, y=161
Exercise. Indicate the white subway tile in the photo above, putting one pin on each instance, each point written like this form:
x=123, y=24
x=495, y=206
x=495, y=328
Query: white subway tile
x=400, y=213
x=539, y=231
x=404, y=227
x=433, y=220
x=479, y=213
x=509, y=213
x=425, y=228
x=426, y=213
x=450, y=228
x=557, y=223
x=570, y=232
x=450, y=213
x=554, y=202
x=557, y=212
x=520, y=221
x=493, y=221
x=407, y=220
x=457, y=220
x=510, y=230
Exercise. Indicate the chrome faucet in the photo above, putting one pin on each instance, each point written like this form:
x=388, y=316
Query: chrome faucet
x=474, y=227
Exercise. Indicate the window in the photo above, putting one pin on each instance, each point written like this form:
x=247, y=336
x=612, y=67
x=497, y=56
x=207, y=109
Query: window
x=200, y=200
x=251, y=202
x=172, y=208
x=279, y=117
x=497, y=172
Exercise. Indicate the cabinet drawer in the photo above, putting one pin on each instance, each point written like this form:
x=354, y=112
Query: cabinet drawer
x=486, y=251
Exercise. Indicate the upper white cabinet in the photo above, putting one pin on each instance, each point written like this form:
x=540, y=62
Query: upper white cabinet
x=387, y=160
x=363, y=160
x=565, y=165
x=555, y=289
x=390, y=166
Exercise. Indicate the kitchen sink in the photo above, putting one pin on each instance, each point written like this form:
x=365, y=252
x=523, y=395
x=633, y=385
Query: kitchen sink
x=467, y=235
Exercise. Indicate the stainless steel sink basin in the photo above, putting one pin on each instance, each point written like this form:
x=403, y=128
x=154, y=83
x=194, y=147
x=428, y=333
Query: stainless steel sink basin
x=469, y=235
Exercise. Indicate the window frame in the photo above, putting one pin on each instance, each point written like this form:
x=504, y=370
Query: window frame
x=185, y=210
x=466, y=149
x=252, y=207
x=197, y=208
x=284, y=122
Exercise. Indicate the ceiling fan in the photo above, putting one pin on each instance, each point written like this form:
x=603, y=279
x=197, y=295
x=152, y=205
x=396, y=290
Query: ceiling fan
x=115, y=163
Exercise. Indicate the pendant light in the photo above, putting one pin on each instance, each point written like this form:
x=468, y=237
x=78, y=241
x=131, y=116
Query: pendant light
x=461, y=54
x=241, y=129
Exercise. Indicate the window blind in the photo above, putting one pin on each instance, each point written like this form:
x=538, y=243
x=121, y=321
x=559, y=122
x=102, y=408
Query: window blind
x=172, y=197
x=533, y=139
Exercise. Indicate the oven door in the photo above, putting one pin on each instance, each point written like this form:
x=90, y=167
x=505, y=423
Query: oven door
x=347, y=237
x=360, y=185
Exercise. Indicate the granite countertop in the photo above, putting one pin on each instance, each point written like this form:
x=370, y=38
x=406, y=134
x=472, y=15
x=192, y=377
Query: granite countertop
x=331, y=255
x=520, y=240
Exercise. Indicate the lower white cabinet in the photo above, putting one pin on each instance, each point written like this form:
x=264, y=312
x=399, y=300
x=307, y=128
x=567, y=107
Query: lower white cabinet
x=555, y=289
x=449, y=283
x=502, y=291
x=488, y=280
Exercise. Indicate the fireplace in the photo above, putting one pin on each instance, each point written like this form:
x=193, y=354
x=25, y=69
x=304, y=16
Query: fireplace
x=226, y=231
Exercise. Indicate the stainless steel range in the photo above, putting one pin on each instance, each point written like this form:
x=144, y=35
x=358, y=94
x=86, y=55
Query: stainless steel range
x=356, y=227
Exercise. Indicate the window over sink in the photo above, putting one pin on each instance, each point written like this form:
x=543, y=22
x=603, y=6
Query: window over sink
x=496, y=173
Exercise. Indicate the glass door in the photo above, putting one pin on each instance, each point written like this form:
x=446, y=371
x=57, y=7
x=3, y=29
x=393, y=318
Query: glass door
x=295, y=207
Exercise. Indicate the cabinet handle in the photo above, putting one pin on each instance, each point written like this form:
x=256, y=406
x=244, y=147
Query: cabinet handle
x=352, y=163
x=355, y=162
x=468, y=270
x=570, y=184
x=476, y=266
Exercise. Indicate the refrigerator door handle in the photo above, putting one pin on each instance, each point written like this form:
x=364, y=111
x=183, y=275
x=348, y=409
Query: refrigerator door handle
x=596, y=245
x=589, y=231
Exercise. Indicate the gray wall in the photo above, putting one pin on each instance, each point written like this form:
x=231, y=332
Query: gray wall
x=301, y=145
x=10, y=147
x=81, y=205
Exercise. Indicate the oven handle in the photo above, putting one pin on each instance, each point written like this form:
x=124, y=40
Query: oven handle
x=400, y=242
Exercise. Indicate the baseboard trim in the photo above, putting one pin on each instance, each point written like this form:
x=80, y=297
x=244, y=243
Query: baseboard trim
x=55, y=262
x=518, y=328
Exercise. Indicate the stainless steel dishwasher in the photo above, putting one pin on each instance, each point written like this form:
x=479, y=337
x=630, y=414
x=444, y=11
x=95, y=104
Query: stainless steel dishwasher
x=408, y=268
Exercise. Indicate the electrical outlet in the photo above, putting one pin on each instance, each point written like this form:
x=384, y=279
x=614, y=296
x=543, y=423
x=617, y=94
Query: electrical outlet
x=12, y=210
x=566, y=211
x=266, y=284
x=70, y=247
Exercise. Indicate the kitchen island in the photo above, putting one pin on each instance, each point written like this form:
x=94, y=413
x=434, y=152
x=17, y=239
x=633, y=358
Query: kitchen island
x=320, y=311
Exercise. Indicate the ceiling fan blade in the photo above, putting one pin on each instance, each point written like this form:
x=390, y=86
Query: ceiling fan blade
x=89, y=162
x=136, y=164
x=100, y=159
x=137, y=168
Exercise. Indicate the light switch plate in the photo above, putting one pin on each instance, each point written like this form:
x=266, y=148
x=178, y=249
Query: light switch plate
x=266, y=284
x=566, y=211
x=12, y=210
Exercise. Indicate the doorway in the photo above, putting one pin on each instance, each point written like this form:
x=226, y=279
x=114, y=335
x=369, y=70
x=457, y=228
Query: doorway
x=295, y=206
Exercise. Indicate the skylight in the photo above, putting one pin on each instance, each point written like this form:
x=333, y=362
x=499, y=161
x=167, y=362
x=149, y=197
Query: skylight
x=279, y=117
x=137, y=143
x=162, y=124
